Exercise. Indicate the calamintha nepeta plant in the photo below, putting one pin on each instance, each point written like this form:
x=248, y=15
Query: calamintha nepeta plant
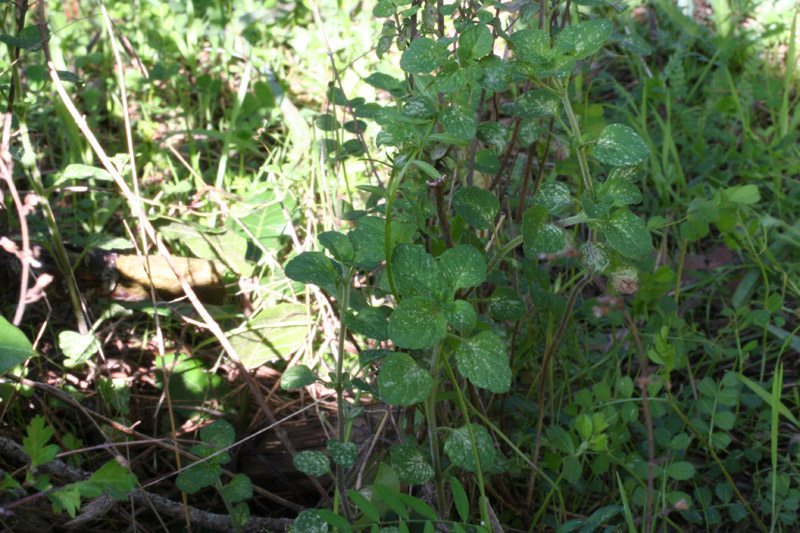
x=500, y=167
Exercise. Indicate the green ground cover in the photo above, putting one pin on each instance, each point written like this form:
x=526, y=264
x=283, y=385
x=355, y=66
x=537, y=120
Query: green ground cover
x=551, y=262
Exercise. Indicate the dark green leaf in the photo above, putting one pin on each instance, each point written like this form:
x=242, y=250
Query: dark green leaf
x=312, y=267
x=410, y=466
x=15, y=348
x=619, y=145
x=474, y=42
x=402, y=382
x=343, y=453
x=421, y=57
x=312, y=463
x=477, y=206
x=462, y=266
x=297, y=377
x=538, y=103
x=483, y=360
x=460, y=121
x=627, y=234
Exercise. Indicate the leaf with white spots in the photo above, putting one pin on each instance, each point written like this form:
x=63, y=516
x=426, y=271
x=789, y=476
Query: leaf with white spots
x=635, y=43
x=532, y=46
x=460, y=121
x=619, y=145
x=477, y=206
x=416, y=324
x=627, y=234
x=585, y=38
x=620, y=191
x=421, y=57
x=463, y=266
x=312, y=463
x=474, y=42
x=595, y=256
x=460, y=451
x=343, y=453
x=554, y=195
x=461, y=316
x=402, y=382
x=483, y=360
x=410, y=466
x=496, y=73
x=539, y=103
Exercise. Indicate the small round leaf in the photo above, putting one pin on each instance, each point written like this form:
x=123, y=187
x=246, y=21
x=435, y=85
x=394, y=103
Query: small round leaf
x=312, y=463
x=297, y=377
x=483, y=360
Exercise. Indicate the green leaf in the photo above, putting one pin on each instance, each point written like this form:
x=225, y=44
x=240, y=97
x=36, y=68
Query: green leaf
x=421, y=57
x=620, y=191
x=619, y=145
x=339, y=245
x=420, y=507
x=390, y=497
x=368, y=321
x=206, y=243
x=239, y=488
x=497, y=73
x=680, y=470
x=410, y=466
x=190, y=381
x=533, y=222
x=460, y=121
x=197, y=477
x=77, y=348
x=627, y=234
x=384, y=82
x=486, y=161
x=114, y=480
x=493, y=133
x=273, y=333
x=15, y=348
x=312, y=267
x=595, y=256
x=312, y=463
x=461, y=316
x=366, y=357
x=554, y=195
x=483, y=360
x=335, y=520
x=539, y=103
x=550, y=240
x=30, y=38
x=343, y=453
x=529, y=131
x=309, y=521
x=462, y=266
x=35, y=444
x=68, y=498
x=416, y=323
x=532, y=46
x=743, y=194
x=505, y=304
x=450, y=78
x=419, y=107
x=585, y=38
x=384, y=10
x=219, y=434
x=633, y=42
x=366, y=506
x=459, y=449
x=297, y=377
x=476, y=206
x=240, y=515
x=474, y=42
x=402, y=382
x=416, y=272
x=460, y=499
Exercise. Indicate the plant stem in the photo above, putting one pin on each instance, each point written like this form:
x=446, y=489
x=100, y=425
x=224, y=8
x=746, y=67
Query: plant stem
x=341, y=421
x=478, y=470
x=430, y=418
x=576, y=136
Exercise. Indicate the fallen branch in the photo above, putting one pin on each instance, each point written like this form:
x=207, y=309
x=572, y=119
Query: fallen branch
x=159, y=504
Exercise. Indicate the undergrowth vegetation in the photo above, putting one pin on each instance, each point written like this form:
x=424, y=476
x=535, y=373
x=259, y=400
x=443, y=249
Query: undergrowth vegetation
x=400, y=265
